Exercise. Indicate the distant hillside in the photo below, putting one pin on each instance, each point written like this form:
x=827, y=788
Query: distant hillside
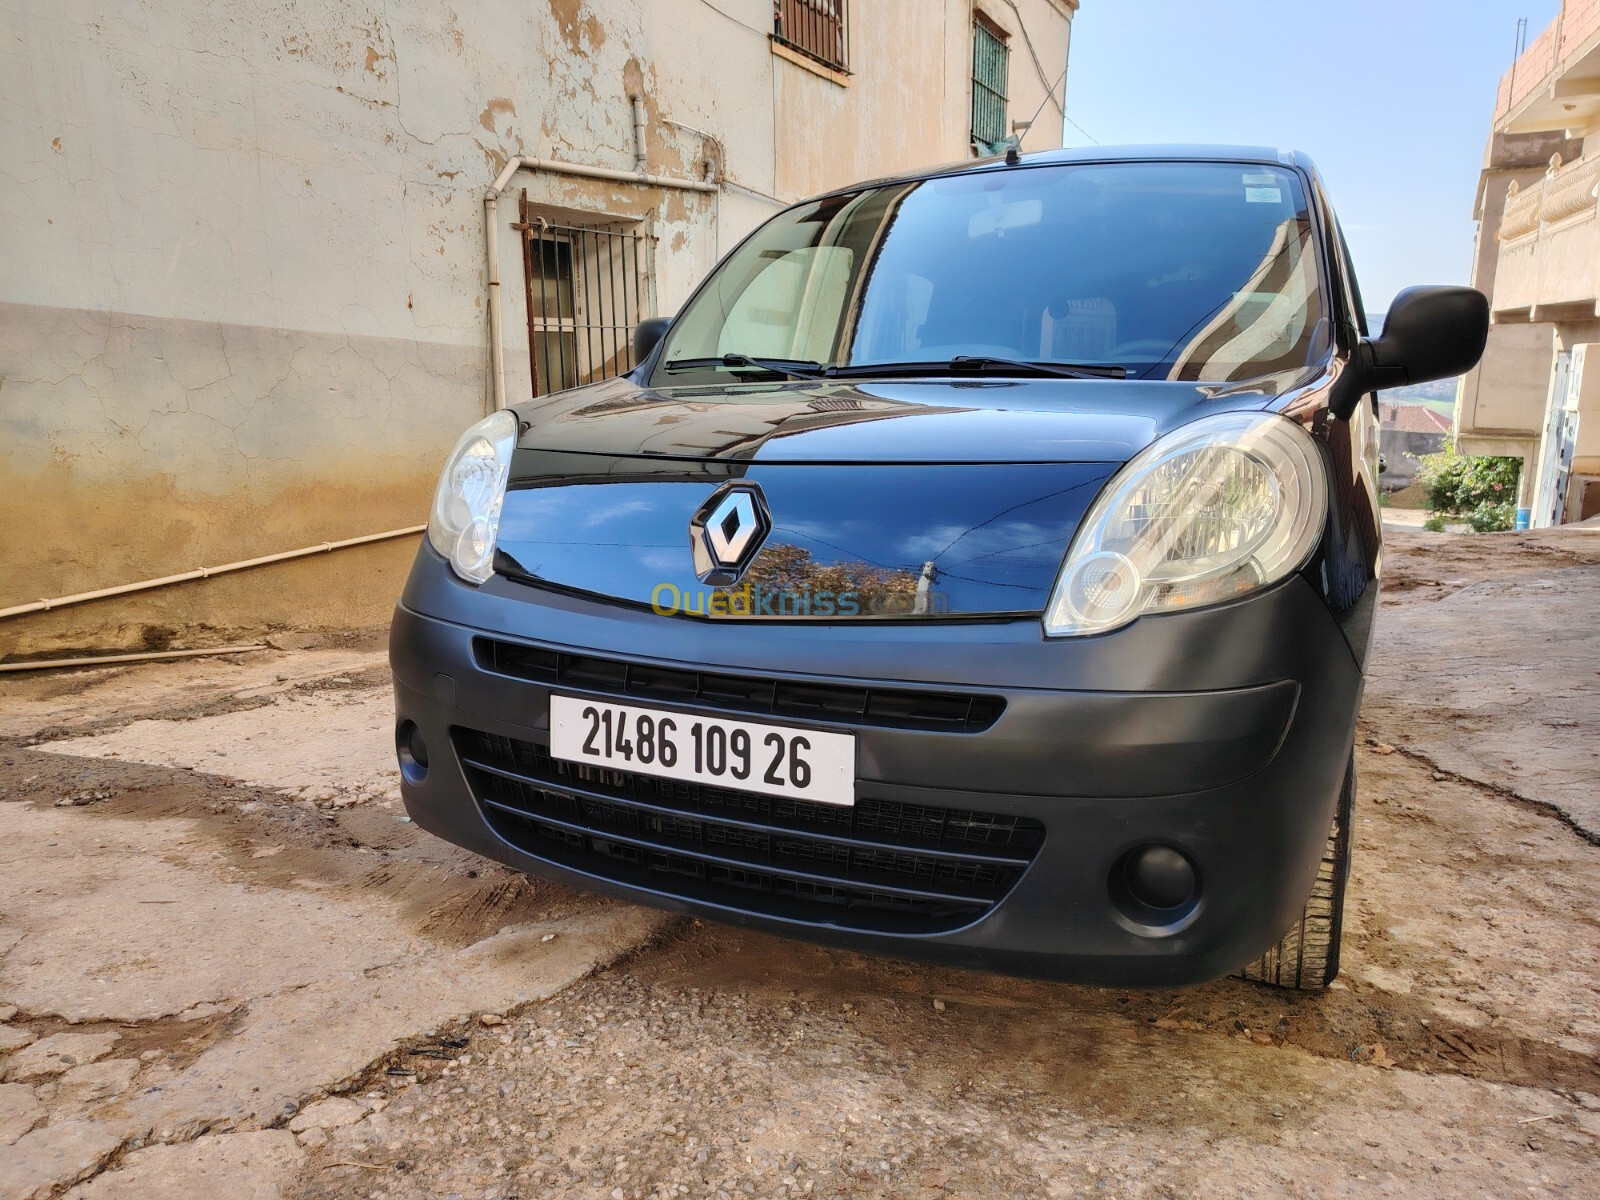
x=1439, y=395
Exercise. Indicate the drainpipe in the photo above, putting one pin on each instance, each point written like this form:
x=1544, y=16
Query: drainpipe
x=146, y=585
x=524, y=162
x=104, y=660
x=639, y=158
x=491, y=227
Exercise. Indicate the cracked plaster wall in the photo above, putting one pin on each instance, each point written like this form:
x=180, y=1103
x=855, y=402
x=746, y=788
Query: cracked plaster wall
x=241, y=253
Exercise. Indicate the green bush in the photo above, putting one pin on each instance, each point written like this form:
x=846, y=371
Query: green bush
x=1482, y=490
x=1490, y=518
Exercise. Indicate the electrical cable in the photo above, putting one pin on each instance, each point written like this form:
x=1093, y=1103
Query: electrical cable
x=1034, y=54
x=729, y=16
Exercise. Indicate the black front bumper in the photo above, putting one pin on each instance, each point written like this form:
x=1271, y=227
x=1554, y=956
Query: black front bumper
x=1224, y=733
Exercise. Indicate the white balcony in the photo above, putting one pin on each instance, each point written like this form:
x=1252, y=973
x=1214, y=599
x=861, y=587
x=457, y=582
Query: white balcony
x=1550, y=247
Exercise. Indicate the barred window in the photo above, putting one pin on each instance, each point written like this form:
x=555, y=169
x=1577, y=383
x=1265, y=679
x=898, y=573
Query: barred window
x=990, y=63
x=587, y=287
x=819, y=29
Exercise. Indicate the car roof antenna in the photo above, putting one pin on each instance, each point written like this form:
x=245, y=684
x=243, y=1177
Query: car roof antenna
x=1013, y=144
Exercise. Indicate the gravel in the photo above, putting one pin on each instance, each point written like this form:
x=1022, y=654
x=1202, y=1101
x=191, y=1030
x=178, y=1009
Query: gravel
x=621, y=1090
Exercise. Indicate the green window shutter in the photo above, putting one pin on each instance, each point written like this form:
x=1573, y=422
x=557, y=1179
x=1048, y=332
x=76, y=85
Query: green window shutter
x=990, y=62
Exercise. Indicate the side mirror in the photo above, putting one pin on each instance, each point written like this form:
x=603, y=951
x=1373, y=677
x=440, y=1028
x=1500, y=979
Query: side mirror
x=1430, y=333
x=647, y=335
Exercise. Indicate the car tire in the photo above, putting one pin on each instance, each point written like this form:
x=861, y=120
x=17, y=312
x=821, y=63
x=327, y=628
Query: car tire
x=1307, y=957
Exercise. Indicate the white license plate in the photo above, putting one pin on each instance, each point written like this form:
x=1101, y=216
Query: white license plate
x=750, y=756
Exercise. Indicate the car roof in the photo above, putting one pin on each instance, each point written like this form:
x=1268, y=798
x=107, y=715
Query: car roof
x=1099, y=154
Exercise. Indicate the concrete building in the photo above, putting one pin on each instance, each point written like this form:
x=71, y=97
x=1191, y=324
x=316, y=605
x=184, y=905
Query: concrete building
x=244, y=272
x=1406, y=432
x=1538, y=260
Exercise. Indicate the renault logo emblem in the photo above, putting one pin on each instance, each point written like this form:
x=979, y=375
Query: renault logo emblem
x=727, y=531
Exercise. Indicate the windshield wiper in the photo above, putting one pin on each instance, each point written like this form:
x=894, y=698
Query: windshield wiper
x=978, y=362
x=974, y=363
x=960, y=364
x=793, y=368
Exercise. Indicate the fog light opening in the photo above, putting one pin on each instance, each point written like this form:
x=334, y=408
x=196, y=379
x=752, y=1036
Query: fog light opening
x=412, y=751
x=1155, y=886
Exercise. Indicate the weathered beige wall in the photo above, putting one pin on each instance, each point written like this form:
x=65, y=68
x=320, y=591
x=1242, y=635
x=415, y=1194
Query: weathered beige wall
x=909, y=102
x=241, y=251
x=1503, y=403
x=1500, y=405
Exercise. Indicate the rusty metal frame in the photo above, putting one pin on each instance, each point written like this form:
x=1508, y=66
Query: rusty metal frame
x=991, y=68
x=819, y=29
x=606, y=276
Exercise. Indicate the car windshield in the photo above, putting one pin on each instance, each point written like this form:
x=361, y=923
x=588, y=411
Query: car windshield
x=1200, y=271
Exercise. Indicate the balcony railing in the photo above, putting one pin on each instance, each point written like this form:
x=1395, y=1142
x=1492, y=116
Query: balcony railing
x=1578, y=21
x=1522, y=213
x=1570, y=191
x=1549, y=259
x=1565, y=192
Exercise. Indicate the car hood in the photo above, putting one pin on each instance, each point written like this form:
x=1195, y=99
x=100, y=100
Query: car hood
x=938, y=420
x=907, y=500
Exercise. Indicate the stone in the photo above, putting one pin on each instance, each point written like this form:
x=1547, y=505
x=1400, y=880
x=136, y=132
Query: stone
x=96, y=1081
x=7, y=1011
x=13, y=1037
x=58, y=1054
x=313, y=1138
x=239, y=1166
x=292, y=641
x=55, y=1156
x=20, y=1111
x=333, y=1113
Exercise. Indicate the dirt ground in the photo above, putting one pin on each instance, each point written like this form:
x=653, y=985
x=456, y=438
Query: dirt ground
x=232, y=968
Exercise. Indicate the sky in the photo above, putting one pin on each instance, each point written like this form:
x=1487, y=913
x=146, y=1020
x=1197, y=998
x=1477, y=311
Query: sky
x=1391, y=98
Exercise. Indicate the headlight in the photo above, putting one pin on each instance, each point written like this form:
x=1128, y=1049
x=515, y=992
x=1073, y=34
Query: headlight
x=1218, y=508
x=466, y=508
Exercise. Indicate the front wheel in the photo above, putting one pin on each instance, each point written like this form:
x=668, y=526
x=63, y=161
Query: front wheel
x=1307, y=957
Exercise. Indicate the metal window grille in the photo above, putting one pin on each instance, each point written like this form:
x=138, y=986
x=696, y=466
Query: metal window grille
x=990, y=63
x=586, y=290
x=819, y=29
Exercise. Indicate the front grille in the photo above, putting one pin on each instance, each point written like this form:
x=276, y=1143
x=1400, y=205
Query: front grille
x=878, y=865
x=901, y=708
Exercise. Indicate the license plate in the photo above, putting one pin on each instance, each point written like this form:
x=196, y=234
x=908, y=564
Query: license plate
x=750, y=756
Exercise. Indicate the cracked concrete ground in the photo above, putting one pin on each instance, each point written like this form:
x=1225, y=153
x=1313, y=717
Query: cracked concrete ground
x=1492, y=670
x=210, y=938
x=244, y=974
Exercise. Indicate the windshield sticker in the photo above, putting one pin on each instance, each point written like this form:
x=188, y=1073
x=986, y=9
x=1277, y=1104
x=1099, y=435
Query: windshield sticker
x=1263, y=195
x=1258, y=178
